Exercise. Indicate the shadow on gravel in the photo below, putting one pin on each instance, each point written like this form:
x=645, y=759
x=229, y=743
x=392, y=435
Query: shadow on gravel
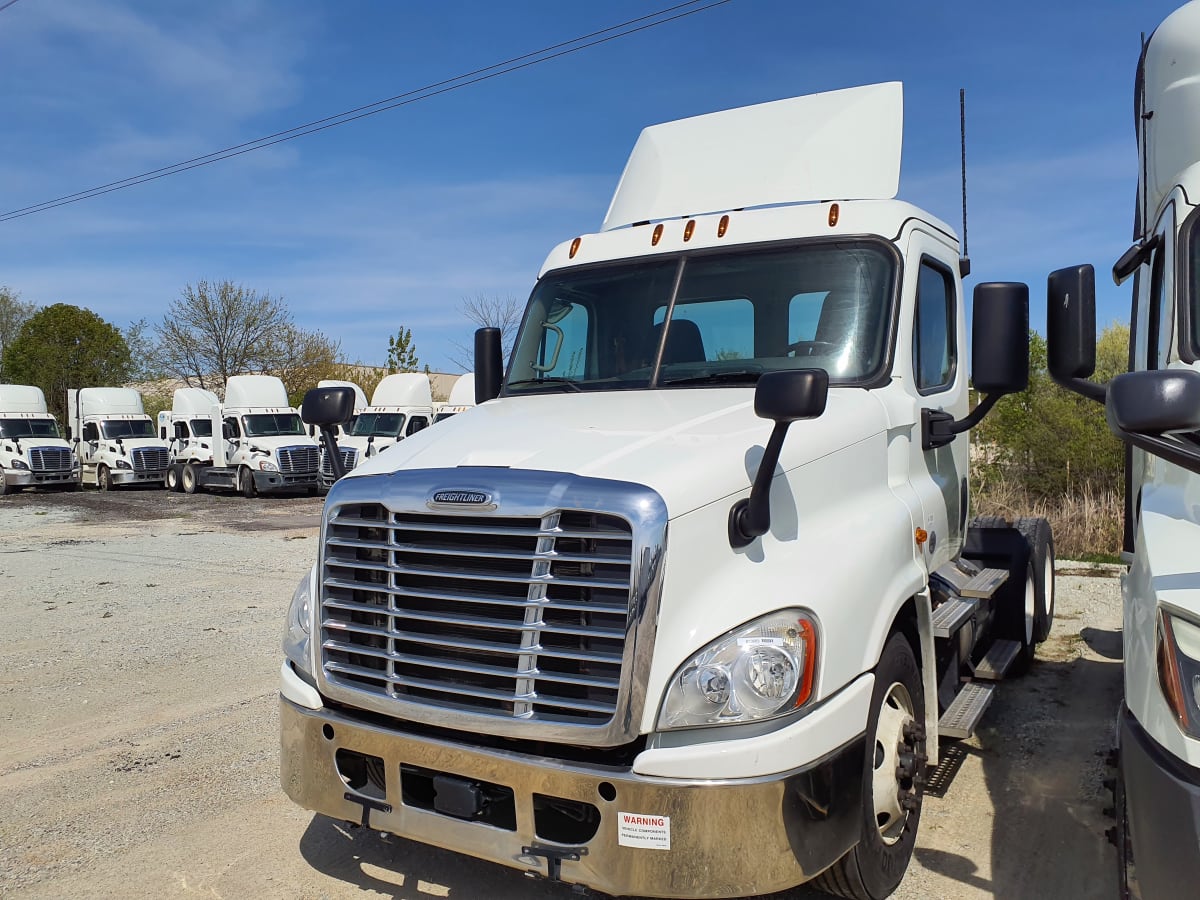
x=1042, y=749
x=397, y=867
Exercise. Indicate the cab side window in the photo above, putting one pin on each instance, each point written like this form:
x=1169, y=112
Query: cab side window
x=934, y=352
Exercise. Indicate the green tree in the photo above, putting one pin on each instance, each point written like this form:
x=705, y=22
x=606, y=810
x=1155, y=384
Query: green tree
x=14, y=313
x=1050, y=441
x=64, y=346
x=402, y=355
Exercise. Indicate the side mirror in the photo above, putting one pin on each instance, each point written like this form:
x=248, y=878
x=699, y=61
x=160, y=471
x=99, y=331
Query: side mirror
x=1071, y=329
x=999, y=355
x=1145, y=408
x=784, y=397
x=1000, y=337
x=489, y=370
x=328, y=407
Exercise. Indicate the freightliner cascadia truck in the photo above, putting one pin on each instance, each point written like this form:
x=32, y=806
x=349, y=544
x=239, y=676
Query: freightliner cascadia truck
x=684, y=606
x=33, y=452
x=1155, y=409
x=114, y=439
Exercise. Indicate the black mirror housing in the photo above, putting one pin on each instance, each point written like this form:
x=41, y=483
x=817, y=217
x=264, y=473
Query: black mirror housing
x=1071, y=323
x=489, y=371
x=791, y=395
x=1000, y=337
x=327, y=406
x=1162, y=401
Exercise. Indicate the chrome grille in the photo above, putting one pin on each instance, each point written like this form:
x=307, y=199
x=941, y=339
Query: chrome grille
x=518, y=617
x=298, y=460
x=149, y=459
x=49, y=459
x=349, y=460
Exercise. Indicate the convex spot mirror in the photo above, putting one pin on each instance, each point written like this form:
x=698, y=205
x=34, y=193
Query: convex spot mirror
x=328, y=406
x=1165, y=401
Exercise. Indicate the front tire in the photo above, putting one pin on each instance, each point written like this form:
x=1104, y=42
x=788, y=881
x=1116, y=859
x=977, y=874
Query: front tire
x=1038, y=536
x=103, y=478
x=246, y=483
x=171, y=481
x=188, y=479
x=893, y=782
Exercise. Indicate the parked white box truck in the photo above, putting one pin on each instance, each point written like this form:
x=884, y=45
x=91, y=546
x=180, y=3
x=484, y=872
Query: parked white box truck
x=684, y=606
x=1155, y=409
x=401, y=405
x=256, y=442
x=32, y=450
x=462, y=398
x=114, y=440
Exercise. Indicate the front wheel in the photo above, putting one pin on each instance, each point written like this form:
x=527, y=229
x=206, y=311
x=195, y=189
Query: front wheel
x=103, y=479
x=171, y=481
x=188, y=479
x=246, y=483
x=1038, y=536
x=893, y=782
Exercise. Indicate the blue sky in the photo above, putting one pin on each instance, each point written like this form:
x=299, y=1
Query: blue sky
x=393, y=220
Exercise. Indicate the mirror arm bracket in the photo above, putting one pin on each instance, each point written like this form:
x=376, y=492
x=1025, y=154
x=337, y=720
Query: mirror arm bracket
x=751, y=518
x=939, y=428
x=1083, y=387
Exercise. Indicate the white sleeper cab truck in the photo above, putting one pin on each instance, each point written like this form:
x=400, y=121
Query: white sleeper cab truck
x=187, y=427
x=1155, y=409
x=32, y=450
x=258, y=443
x=114, y=439
x=401, y=406
x=462, y=398
x=684, y=606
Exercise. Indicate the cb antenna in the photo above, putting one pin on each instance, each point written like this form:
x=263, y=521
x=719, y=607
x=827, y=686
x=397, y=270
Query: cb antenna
x=964, y=261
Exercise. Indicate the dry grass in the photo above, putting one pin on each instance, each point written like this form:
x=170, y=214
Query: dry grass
x=1086, y=525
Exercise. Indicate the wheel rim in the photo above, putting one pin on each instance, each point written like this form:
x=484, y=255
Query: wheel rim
x=1030, y=607
x=1048, y=580
x=102, y=479
x=895, y=718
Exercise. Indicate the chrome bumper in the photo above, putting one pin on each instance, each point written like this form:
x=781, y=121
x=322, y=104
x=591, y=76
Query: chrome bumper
x=726, y=838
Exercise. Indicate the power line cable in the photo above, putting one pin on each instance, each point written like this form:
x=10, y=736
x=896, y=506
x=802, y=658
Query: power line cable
x=524, y=61
x=7, y=5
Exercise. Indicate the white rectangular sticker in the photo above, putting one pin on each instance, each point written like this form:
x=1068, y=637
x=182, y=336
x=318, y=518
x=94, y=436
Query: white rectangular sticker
x=638, y=830
x=760, y=642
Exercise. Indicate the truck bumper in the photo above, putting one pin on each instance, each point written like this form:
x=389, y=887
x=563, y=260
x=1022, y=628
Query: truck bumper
x=125, y=477
x=647, y=836
x=1162, y=794
x=275, y=482
x=17, y=478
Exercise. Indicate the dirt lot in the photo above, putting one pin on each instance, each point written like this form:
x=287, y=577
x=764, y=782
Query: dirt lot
x=139, y=659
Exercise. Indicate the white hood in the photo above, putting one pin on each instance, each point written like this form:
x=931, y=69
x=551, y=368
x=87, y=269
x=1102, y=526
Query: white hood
x=692, y=446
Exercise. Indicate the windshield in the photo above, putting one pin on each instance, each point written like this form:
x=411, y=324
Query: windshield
x=378, y=424
x=271, y=424
x=1193, y=270
x=25, y=428
x=735, y=315
x=201, y=427
x=123, y=428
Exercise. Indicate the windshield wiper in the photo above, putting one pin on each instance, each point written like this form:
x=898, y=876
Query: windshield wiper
x=555, y=381
x=745, y=376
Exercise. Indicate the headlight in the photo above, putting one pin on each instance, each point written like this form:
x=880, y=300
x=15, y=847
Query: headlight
x=266, y=465
x=298, y=630
x=1179, y=668
x=764, y=669
x=122, y=464
x=20, y=465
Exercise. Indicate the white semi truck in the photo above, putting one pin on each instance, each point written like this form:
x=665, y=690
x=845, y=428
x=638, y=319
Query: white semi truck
x=1155, y=409
x=255, y=442
x=462, y=398
x=32, y=450
x=684, y=607
x=401, y=406
x=114, y=440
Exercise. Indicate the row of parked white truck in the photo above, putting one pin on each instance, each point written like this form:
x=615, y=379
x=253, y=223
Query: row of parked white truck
x=262, y=444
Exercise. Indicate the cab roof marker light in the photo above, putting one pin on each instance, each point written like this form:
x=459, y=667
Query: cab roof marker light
x=723, y=226
x=835, y=213
x=689, y=229
x=574, y=247
x=657, y=235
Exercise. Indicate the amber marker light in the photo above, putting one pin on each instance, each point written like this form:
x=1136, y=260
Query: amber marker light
x=722, y=226
x=834, y=212
x=657, y=236
x=575, y=247
x=808, y=636
x=688, y=229
x=921, y=536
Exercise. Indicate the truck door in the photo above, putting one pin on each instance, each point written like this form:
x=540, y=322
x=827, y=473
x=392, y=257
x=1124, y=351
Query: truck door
x=929, y=363
x=89, y=447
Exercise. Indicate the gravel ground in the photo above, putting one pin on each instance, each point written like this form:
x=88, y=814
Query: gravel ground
x=139, y=728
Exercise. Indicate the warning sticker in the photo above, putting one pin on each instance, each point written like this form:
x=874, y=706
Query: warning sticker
x=639, y=830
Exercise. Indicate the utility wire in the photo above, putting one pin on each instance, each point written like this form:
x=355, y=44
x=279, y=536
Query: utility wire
x=565, y=48
x=7, y=5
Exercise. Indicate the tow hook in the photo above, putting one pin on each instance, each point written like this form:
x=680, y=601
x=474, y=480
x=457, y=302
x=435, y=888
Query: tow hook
x=367, y=805
x=554, y=857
